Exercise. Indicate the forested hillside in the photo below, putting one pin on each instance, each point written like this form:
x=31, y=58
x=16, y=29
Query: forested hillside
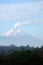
x=23, y=57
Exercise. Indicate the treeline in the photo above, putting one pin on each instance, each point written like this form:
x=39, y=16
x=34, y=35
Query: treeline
x=23, y=57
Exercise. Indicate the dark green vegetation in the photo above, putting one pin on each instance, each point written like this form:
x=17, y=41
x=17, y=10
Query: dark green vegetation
x=23, y=57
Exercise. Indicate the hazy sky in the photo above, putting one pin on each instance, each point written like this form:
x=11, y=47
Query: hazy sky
x=29, y=13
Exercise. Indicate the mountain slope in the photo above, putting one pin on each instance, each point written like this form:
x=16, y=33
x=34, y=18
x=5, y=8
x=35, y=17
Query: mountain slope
x=20, y=40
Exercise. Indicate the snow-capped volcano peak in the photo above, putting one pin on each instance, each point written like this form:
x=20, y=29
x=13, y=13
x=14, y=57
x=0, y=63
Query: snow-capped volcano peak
x=13, y=32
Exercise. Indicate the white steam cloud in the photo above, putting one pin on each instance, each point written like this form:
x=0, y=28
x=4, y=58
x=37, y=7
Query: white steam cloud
x=18, y=24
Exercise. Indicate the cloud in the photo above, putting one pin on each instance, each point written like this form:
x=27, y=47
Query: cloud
x=20, y=11
x=19, y=24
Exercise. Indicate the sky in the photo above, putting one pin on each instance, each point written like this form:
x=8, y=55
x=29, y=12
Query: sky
x=25, y=15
